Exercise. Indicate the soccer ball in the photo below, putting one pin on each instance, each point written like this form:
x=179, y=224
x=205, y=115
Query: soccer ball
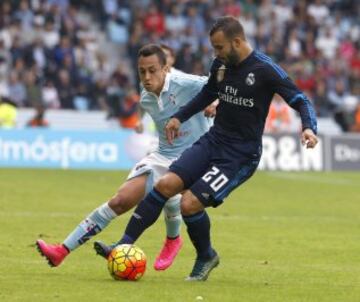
x=127, y=262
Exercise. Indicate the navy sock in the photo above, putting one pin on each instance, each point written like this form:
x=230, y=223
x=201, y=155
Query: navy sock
x=198, y=228
x=126, y=239
x=146, y=213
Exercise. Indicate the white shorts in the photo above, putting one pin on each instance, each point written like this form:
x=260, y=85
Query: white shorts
x=154, y=165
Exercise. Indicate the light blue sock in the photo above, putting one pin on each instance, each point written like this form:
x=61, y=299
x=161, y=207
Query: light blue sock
x=90, y=226
x=173, y=217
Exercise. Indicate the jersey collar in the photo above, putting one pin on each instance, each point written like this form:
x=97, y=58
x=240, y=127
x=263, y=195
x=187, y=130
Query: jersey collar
x=166, y=83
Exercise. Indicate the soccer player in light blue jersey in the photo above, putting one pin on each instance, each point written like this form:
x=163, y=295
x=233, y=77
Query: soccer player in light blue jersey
x=162, y=95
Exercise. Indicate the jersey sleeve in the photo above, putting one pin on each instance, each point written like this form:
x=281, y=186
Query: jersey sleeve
x=205, y=97
x=280, y=83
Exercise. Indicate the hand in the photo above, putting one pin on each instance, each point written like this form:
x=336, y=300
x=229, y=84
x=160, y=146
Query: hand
x=308, y=138
x=210, y=111
x=139, y=128
x=172, y=129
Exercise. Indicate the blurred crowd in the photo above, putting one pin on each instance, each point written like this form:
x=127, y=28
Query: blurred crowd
x=51, y=55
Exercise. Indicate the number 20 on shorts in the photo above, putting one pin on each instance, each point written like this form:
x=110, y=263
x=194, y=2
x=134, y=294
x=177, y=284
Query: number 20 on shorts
x=216, y=181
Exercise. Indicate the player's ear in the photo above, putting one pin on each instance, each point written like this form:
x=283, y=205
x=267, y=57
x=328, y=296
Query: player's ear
x=237, y=41
x=166, y=68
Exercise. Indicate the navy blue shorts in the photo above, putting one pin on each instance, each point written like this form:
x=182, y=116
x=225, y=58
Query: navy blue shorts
x=216, y=164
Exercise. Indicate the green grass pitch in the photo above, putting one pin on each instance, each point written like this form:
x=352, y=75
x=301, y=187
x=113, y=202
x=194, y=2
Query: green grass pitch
x=281, y=237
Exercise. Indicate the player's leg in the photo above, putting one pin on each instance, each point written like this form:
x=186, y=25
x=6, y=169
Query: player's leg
x=146, y=213
x=149, y=209
x=210, y=190
x=182, y=173
x=173, y=241
x=198, y=228
x=128, y=195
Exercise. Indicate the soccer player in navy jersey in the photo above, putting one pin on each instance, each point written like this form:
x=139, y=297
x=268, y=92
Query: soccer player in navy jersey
x=244, y=80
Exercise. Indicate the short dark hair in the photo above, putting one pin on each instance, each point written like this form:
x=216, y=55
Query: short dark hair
x=153, y=49
x=230, y=26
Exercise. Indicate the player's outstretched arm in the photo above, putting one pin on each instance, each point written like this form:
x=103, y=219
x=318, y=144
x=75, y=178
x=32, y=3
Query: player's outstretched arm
x=139, y=128
x=172, y=129
x=308, y=138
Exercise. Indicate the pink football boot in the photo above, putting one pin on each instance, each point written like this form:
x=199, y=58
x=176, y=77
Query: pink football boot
x=168, y=253
x=54, y=253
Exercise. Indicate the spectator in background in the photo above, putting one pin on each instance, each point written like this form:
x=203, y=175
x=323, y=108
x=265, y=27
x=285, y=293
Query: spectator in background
x=99, y=95
x=81, y=99
x=232, y=8
x=129, y=116
x=344, y=105
x=37, y=54
x=294, y=47
x=185, y=59
x=24, y=14
x=249, y=7
x=305, y=79
x=249, y=24
x=355, y=64
x=5, y=60
x=283, y=13
x=327, y=43
x=17, y=50
x=17, y=90
x=154, y=20
x=65, y=89
x=175, y=21
x=5, y=13
x=33, y=89
x=62, y=50
x=38, y=120
x=114, y=97
x=321, y=103
x=117, y=30
x=121, y=76
x=356, y=126
x=195, y=21
x=278, y=119
x=319, y=11
x=51, y=36
x=50, y=96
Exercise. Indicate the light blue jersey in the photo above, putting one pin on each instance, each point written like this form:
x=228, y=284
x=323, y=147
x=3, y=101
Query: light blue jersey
x=178, y=90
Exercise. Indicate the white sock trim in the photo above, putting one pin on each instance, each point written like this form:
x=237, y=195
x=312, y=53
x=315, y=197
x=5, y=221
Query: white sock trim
x=106, y=212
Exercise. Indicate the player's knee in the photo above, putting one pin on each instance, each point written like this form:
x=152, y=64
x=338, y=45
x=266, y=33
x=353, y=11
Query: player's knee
x=169, y=185
x=190, y=205
x=172, y=206
x=121, y=203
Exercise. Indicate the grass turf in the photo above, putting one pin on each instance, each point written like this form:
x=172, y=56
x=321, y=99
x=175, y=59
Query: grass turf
x=280, y=237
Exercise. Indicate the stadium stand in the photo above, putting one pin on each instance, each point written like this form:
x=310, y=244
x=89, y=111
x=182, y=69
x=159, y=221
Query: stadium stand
x=81, y=55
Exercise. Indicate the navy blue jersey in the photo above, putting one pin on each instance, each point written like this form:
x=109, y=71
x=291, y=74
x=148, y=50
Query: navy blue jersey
x=245, y=92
